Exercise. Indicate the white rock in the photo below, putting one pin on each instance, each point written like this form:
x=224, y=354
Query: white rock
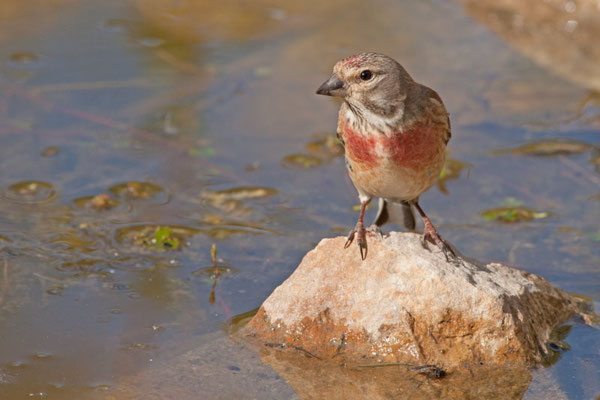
x=405, y=303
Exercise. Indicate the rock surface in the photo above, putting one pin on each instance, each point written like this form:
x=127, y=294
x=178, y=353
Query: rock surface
x=407, y=304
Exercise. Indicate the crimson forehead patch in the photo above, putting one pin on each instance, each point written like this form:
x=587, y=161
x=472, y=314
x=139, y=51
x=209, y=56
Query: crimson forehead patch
x=354, y=61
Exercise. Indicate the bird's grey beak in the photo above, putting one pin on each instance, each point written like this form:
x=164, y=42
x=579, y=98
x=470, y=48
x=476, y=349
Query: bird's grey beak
x=332, y=87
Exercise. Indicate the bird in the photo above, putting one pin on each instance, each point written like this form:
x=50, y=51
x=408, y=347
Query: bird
x=394, y=131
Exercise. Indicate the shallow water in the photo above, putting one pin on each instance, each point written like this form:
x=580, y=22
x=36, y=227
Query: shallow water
x=135, y=135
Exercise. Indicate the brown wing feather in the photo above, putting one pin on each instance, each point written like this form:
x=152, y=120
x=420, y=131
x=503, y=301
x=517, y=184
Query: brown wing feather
x=435, y=96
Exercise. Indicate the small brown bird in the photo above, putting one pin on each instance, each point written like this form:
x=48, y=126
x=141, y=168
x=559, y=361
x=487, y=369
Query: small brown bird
x=394, y=132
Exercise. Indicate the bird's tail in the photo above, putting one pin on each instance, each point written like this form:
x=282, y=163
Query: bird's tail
x=400, y=213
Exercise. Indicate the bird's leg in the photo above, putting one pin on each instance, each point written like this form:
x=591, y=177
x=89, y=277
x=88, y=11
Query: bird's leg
x=430, y=233
x=360, y=231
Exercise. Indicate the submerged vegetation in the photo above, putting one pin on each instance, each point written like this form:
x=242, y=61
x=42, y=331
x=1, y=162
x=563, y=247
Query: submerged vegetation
x=137, y=138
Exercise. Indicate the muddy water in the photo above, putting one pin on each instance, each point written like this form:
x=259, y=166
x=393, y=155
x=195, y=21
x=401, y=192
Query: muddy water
x=136, y=135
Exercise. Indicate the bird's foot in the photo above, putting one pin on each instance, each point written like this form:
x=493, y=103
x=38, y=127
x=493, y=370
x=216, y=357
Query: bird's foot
x=374, y=230
x=361, y=239
x=430, y=235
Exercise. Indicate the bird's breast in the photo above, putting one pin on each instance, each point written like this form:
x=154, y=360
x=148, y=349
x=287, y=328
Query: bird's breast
x=415, y=148
x=361, y=149
x=401, y=165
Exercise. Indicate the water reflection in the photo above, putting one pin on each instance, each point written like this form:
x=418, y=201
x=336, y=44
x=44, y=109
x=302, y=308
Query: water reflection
x=559, y=35
x=310, y=379
x=133, y=135
x=229, y=20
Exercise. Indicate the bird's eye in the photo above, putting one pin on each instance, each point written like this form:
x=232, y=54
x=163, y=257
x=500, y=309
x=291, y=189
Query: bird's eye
x=366, y=75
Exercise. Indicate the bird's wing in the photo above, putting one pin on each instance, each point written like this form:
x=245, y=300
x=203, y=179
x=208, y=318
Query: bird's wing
x=440, y=112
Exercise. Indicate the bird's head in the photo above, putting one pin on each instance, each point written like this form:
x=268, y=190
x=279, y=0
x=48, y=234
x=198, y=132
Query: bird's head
x=369, y=82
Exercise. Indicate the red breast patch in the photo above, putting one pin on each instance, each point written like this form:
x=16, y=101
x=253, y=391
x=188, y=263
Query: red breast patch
x=360, y=148
x=412, y=148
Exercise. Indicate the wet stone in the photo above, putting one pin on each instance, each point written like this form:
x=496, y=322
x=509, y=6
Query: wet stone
x=243, y=193
x=513, y=214
x=301, y=161
x=24, y=58
x=407, y=304
x=548, y=147
x=30, y=192
x=50, y=151
x=100, y=202
x=452, y=170
x=138, y=190
x=327, y=147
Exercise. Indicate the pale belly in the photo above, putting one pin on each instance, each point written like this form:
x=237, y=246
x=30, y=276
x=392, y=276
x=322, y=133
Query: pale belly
x=390, y=181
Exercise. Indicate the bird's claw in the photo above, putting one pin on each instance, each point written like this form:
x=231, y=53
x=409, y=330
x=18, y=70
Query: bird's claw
x=363, y=248
x=350, y=238
x=374, y=230
x=430, y=235
x=361, y=240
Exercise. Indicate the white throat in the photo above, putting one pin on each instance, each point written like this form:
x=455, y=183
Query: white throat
x=370, y=123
